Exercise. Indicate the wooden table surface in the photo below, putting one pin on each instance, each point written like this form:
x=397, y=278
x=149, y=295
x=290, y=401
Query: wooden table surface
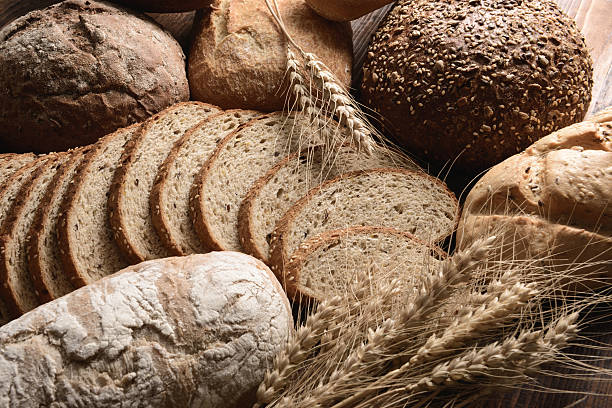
x=594, y=18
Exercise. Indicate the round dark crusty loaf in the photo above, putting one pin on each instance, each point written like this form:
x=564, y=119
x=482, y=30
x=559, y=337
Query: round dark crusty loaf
x=78, y=70
x=484, y=78
x=239, y=56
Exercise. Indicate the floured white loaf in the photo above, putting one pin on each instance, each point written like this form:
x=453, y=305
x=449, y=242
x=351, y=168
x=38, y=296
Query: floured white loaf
x=197, y=331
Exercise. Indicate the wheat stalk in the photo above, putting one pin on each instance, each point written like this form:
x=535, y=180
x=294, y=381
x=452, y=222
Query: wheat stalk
x=337, y=101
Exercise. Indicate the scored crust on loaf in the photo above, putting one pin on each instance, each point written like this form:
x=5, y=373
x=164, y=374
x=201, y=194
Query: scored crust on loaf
x=88, y=249
x=129, y=202
x=18, y=288
x=44, y=260
x=170, y=195
x=11, y=162
x=325, y=265
x=284, y=184
x=239, y=160
x=403, y=199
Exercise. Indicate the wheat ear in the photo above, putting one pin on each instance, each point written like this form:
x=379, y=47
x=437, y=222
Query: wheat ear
x=340, y=103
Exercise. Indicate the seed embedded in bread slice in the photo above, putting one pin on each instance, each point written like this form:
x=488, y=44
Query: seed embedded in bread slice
x=11, y=162
x=403, y=199
x=18, y=288
x=284, y=184
x=129, y=203
x=44, y=260
x=239, y=160
x=326, y=264
x=170, y=195
x=88, y=250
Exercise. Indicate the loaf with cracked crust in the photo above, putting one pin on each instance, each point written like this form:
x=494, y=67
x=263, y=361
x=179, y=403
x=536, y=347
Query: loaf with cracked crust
x=77, y=70
x=238, y=58
x=197, y=331
x=552, y=202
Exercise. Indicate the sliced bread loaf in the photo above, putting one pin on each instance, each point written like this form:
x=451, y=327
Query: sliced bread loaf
x=239, y=160
x=129, y=203
x=87, y=247
x=326, y=264
x=284, y=184
x=44, y=260
x=11, y=162
x=20, y=294
x=170, y=194
x=403, y=199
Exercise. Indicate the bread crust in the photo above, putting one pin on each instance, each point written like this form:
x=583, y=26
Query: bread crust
x=290, y=275
x=239, y=56
x=279, y=257
x=10, y=237
x=90, y=68
x=44, y=289
x=158, y=193
x=118, y=193
x=166, y=6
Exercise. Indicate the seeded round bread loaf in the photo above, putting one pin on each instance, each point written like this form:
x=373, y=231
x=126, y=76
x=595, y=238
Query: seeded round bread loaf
x=324, y=265
x=51, y=280
x=239, y=57
x=406, y=200
x=17, y=284
x=189, y=332
x=80, y=69
x=238, y=161
x=552, y=202
x=129, y=201
x=284, y=184
x=171, y=215
x=476, y=81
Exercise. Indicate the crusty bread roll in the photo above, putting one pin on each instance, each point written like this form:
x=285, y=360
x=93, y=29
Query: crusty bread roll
x=196, y=331
x=345, y=10
x=78, y=70
x=239, y=56
x=553, y=200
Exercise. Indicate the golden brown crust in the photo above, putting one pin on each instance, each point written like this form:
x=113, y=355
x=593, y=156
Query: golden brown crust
x=279, y=257
x=90, y=68
x=290, y=275
x=239, y=57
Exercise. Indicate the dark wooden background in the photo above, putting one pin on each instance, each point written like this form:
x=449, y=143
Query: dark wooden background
x=594, y=18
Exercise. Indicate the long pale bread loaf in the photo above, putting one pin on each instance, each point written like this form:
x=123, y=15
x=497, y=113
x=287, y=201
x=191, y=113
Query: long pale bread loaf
x=406, y=200
x=196, y=331
x=170, y=195
x=130, y=211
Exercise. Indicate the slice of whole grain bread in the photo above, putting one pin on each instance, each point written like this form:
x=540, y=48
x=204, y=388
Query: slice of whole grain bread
x=18, y=288
x=129, y=202
x=326, y=264
x=88, y=250
x=284, y=184
x=44, y=259
x=239, y=160
x=170, y=195
x=403, y=199
x=11, y=162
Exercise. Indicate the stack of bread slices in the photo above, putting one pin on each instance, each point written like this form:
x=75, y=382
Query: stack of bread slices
x=195, y=178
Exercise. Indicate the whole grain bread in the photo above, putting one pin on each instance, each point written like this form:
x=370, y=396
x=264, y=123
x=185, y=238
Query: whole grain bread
x=403, y=199
x=239, y=56
x=50, y=279
x=129, y=202
x=17, y=285
x=239, y=160
x=552, y=202
x=88, y=250
x=10, y=163
x=326, y=264
x=197, y=331
x=170, y=194
x=284, y=184
x=80, y=69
